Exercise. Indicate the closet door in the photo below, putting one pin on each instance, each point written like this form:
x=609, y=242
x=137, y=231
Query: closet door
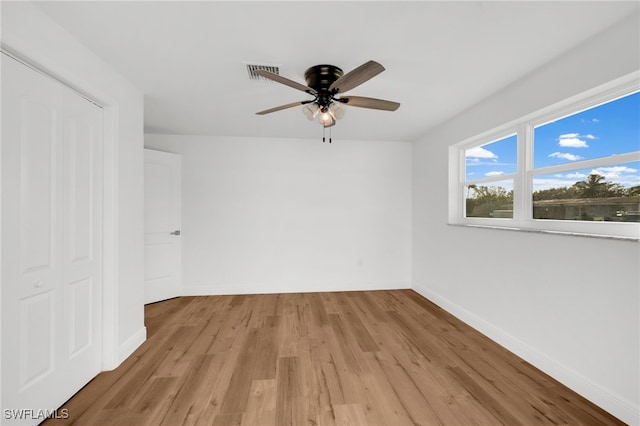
x=51, y=243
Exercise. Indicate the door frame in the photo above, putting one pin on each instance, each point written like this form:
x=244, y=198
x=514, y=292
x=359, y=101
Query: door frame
x=111, y=356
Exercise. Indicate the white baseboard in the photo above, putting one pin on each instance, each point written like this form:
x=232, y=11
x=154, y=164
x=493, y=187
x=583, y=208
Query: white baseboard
x=131, y=344
x=219, y=290
x=625, y=410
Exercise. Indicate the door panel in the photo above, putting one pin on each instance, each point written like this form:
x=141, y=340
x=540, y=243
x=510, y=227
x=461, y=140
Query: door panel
x=51, y=240
x=37, y=332
x=36, y=162
x=162, y=207
x=79, y=146
x=39, y=138
x=80, y=297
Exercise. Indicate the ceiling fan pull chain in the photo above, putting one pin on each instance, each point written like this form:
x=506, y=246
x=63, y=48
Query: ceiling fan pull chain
x=323, y=134
x=329, y=134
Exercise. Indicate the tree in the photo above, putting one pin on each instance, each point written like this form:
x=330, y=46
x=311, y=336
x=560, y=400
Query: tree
x=633, y=191
x=561, y=193
x=490, y=193
x=594, y=186
x=485, y=199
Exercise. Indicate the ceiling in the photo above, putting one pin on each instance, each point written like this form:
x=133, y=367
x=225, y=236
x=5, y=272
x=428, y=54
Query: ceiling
x=189, y=58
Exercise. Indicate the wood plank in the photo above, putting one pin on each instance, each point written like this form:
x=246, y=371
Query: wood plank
x=262, y=403
x=189, y=398
x=356, y=328
x=237, y=394
x=418, y=406
x=146, y=402
x=478, y=391
x=289, y=393
x=267, y=354
x=343, y=344
x=232, y=419
x=350, y=415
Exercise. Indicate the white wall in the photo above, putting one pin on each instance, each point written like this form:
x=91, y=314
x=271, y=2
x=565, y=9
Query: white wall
x=27, y=31
x=269, y=215
x=569, y=305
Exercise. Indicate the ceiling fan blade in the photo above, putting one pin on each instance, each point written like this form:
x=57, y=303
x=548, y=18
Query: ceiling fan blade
x=371, y=103
x=281, y=107
x=356, y=77
x=285, y=81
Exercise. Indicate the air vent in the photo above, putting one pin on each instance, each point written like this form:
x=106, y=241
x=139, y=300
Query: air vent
x=252, y=68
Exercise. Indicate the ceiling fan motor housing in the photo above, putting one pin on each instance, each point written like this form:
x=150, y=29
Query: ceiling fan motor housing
x=319, y=78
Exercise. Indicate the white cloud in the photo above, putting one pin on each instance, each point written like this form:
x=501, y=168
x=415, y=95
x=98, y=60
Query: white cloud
x=565, y=156
x=618, y=169
x=614, y=172
x=496, y=173
x=546, y=183
x=479, y=152
x=569, y=135
x=576, y=175
x=572, y=140
x=590, y=137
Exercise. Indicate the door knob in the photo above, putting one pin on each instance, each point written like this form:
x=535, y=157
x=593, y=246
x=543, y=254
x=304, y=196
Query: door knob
x=176, y=232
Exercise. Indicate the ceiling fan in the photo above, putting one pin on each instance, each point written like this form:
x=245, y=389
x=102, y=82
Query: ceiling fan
x=325, y=83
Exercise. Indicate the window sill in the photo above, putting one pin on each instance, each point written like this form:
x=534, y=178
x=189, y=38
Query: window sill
x=544, y=231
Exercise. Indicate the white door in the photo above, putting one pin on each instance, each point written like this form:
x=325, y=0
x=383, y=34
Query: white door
x=51, y=243
x=162, y=218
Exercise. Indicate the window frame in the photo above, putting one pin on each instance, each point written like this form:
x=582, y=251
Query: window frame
x=523, y=128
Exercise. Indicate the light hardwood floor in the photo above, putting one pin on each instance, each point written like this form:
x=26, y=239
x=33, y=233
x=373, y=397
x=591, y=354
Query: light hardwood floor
x=348, y=358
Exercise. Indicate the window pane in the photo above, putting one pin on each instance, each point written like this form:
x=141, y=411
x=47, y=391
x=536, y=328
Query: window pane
x=610, y=193
x=491, y=159
x=608, y=129
x=493, y=200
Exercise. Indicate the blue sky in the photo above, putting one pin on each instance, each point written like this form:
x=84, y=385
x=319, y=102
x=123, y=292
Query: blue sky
x=612, y=128
x=493, y=159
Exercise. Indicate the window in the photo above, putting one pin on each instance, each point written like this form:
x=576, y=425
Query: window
x=573, y=167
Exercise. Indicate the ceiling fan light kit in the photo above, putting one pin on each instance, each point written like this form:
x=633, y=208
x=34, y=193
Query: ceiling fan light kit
x=325, y=83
